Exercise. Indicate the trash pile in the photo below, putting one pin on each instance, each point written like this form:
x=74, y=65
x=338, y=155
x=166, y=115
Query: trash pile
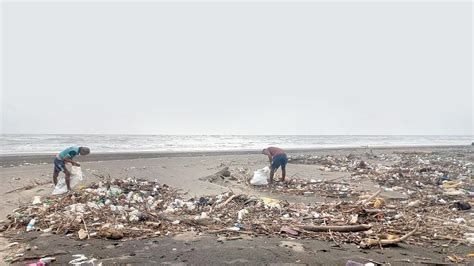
x=330, y=163
x=134, y=208
x=411, y=173
x=312, y=188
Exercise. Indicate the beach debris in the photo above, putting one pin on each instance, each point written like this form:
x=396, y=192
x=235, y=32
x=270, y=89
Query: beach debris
x=111, y=233
x=36, y=200
x=415, y=203
x=81, y=259
x=260, y=177
x=355, y=263
x=369, y=199
x=336, y=228
x=134, y=208
x=31, y=225
x=82, y=234
x=368, y=242
x=462, y=205
x=289, y=230
x=43, y=261
x=220, y=176
x=271, y=203
x=379, y=202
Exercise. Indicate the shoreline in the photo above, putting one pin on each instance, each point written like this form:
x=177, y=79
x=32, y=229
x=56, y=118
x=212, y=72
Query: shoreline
x=8, y=160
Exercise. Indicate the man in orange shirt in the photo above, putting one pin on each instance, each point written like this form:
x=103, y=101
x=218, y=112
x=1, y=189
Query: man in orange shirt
x=277, y=158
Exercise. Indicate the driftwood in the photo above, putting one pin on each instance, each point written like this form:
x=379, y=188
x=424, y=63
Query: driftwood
x=336, y=228
x=221, y=175
x=227, y=201
x=369, y=242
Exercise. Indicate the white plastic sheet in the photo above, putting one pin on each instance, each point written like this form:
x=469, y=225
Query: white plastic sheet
x=260, y=177
x=76, y=177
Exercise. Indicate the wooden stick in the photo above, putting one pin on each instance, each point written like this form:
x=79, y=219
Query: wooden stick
x=364, y=202
x=368, y=242
x=227, y=201
x=85, y=227
x=451, y=238
x=336, y=228
x=332, y=237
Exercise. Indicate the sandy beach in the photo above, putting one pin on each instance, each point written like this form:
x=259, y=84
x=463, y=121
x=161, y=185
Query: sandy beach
x=25, y=176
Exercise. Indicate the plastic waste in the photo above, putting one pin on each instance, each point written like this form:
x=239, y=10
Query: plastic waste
x=379, y=202
x=452, y=184
x=271, y=203
x=241, y=214
x=462, y=205
x=39, y=263
x=469, y=237
x=260, y=177
x=81, y=259
x=36, y=200
x=47, y=259
x=42, y=262
x=452, y=192
x=355, y=263
x=414, y=203
x=31, y=225
x=114, y=191
x=76, y=177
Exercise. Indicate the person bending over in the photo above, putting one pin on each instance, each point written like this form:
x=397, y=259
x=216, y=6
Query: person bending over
x=66, y=156
x=277, y=158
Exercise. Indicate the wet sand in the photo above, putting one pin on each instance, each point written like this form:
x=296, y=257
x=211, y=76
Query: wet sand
x=183, y=170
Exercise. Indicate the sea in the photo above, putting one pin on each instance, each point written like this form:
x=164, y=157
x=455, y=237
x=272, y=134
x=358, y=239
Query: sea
x=33, y=144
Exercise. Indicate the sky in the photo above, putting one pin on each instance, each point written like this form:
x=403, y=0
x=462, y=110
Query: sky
x=310, y=67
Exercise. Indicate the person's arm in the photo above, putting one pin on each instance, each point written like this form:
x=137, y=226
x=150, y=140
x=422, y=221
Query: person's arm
x=69, y=160
x=270, y=158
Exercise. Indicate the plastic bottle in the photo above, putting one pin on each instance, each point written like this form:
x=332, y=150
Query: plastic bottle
x=31, y=225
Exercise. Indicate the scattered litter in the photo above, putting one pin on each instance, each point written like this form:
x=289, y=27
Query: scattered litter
x=136, y=208
x=462, y=205
x=31, y=225
x=36, y=200
x=271, y=203
x=82, y=234
x=289, y=230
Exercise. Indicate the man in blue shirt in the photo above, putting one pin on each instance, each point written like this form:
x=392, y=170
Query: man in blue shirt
x=66, y=156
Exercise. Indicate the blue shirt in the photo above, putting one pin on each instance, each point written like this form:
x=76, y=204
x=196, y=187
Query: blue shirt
x=69, y=153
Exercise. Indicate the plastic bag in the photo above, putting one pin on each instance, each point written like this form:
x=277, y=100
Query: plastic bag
x=260, y=177
x=76, y=177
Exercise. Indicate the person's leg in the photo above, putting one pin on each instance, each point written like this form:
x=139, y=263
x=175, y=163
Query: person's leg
x=273, y=168
x=283, y=172
x=283, y=168
x=55, y=177
x=57, y=166
x=67, y=178
x=272, y=172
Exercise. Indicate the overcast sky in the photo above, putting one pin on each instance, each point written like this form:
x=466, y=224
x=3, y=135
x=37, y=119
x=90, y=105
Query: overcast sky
x=237, y=68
